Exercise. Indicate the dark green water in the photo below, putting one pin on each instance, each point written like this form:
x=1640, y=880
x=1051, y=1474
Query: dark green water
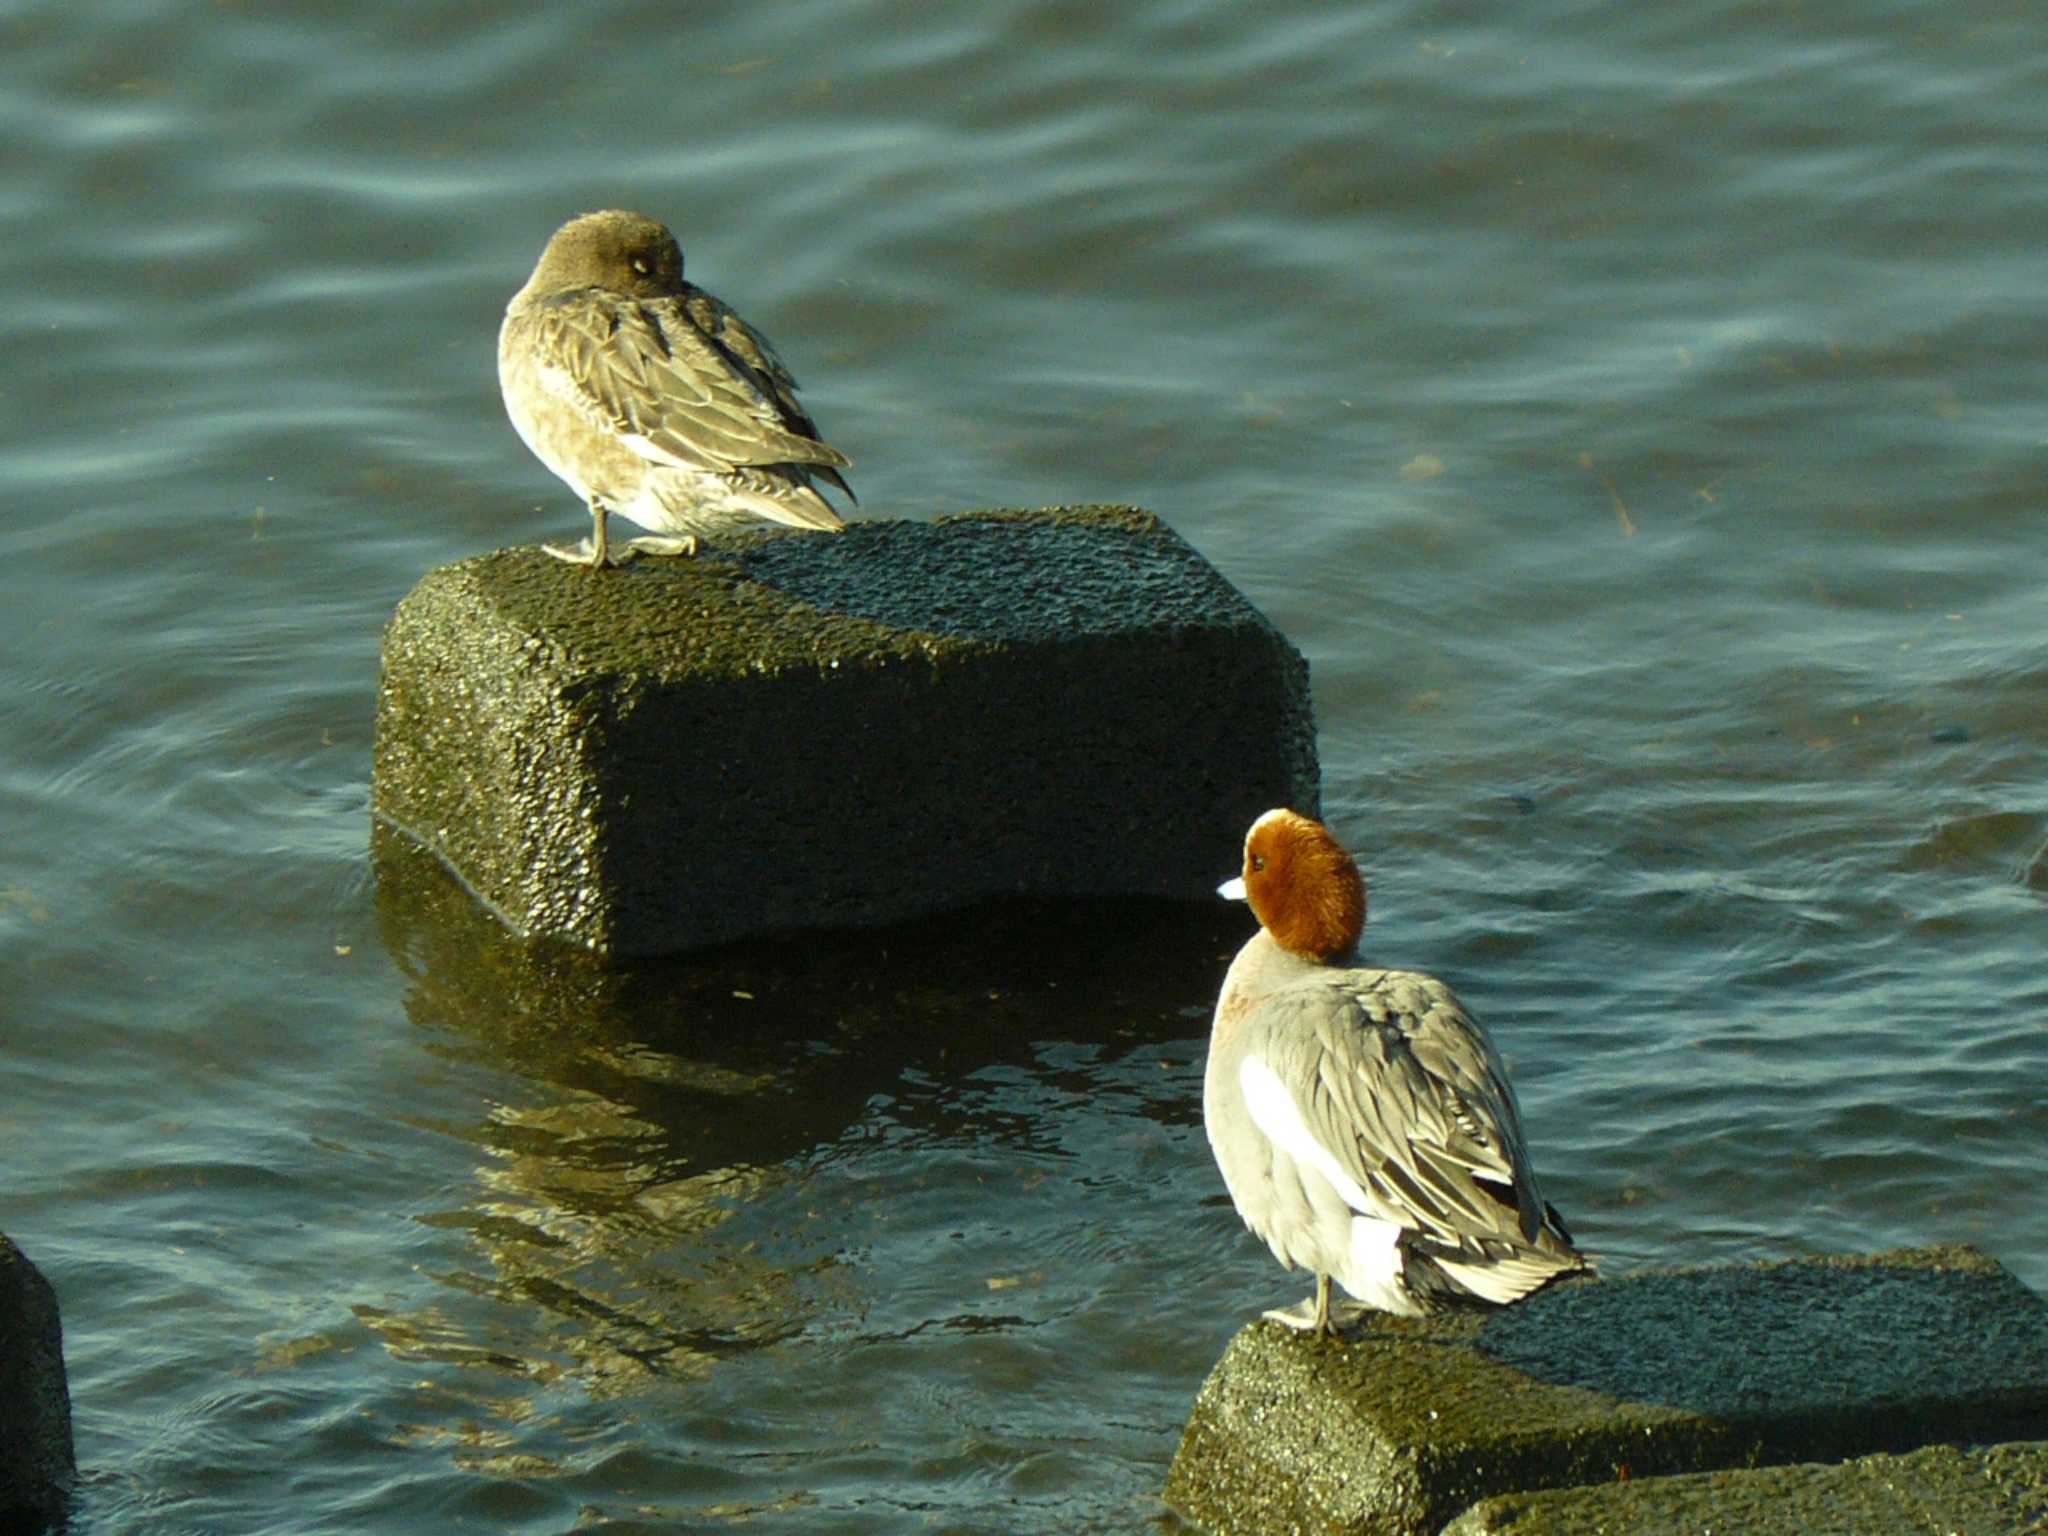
x=1636, y=414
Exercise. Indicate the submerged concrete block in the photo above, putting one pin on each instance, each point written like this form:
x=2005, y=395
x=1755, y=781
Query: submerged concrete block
x=36, y=1465
x=794, y=731
x=1990, y=1491
x=1407, y=1423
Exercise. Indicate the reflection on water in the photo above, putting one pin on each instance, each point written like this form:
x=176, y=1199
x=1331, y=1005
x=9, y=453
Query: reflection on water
x=648, y=1207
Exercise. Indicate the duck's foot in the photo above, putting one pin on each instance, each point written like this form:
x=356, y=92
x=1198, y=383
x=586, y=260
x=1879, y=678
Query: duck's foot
x=1320, y=1313
x=657, y=544
x=615, y=554
x=586, y=553
x=1301, y=1317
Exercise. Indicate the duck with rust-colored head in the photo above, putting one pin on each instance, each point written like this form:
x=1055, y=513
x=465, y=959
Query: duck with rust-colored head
x=1361, y=1117
x=652, y=399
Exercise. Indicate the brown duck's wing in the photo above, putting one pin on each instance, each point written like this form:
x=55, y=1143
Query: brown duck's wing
x=751, y=351
x=671, y=394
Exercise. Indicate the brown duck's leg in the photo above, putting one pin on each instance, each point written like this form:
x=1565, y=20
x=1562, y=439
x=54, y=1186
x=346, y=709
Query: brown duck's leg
x=594, y=551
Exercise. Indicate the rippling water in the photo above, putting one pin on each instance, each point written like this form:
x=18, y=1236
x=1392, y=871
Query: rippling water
x=1635, y=414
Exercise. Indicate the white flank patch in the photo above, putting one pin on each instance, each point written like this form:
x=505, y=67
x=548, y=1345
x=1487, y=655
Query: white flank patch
x=1372, y=1266
x=1377, y=1264
x=1273, y=1111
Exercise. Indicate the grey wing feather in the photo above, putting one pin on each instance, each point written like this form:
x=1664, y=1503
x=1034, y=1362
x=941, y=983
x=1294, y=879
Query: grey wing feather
x=648, y=372
x=1412, y=1099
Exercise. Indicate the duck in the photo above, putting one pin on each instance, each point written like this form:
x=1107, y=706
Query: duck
x=1362, y=1119
x=652, y=398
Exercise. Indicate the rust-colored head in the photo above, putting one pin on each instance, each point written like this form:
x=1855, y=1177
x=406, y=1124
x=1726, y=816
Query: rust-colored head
x=1304, y=888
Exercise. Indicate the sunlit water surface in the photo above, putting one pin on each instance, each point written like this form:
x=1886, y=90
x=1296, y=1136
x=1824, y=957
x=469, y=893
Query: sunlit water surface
x=1635, y=415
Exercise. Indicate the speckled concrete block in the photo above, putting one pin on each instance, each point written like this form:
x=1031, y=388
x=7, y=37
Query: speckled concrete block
x=36, y=1466
x=1406, y=1424
x=1994, y=1490
x=798, y=731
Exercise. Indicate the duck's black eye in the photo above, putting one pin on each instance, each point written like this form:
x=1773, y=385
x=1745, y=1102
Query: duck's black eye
x=640, y=265
x=1258, y=863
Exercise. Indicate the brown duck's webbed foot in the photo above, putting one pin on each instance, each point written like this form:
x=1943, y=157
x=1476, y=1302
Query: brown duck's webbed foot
x=594, y=551
x=657, y=544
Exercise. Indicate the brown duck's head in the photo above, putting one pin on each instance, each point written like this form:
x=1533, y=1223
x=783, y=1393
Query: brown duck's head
x=628, y=253
x=1303, y=887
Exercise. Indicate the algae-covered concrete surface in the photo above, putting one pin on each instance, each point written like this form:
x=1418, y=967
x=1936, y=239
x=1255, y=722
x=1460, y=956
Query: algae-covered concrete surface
x=1406, y=1423
x=798, y=731
x=1998, y=1490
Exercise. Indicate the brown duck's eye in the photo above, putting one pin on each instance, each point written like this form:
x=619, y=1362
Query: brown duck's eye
x=1258, y=863
x=640, y=265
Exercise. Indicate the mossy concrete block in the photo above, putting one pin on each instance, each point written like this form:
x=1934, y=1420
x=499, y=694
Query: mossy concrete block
x=36, y=1465
x=798, y=731
x=1989, y=1491
x=1408, y=1422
